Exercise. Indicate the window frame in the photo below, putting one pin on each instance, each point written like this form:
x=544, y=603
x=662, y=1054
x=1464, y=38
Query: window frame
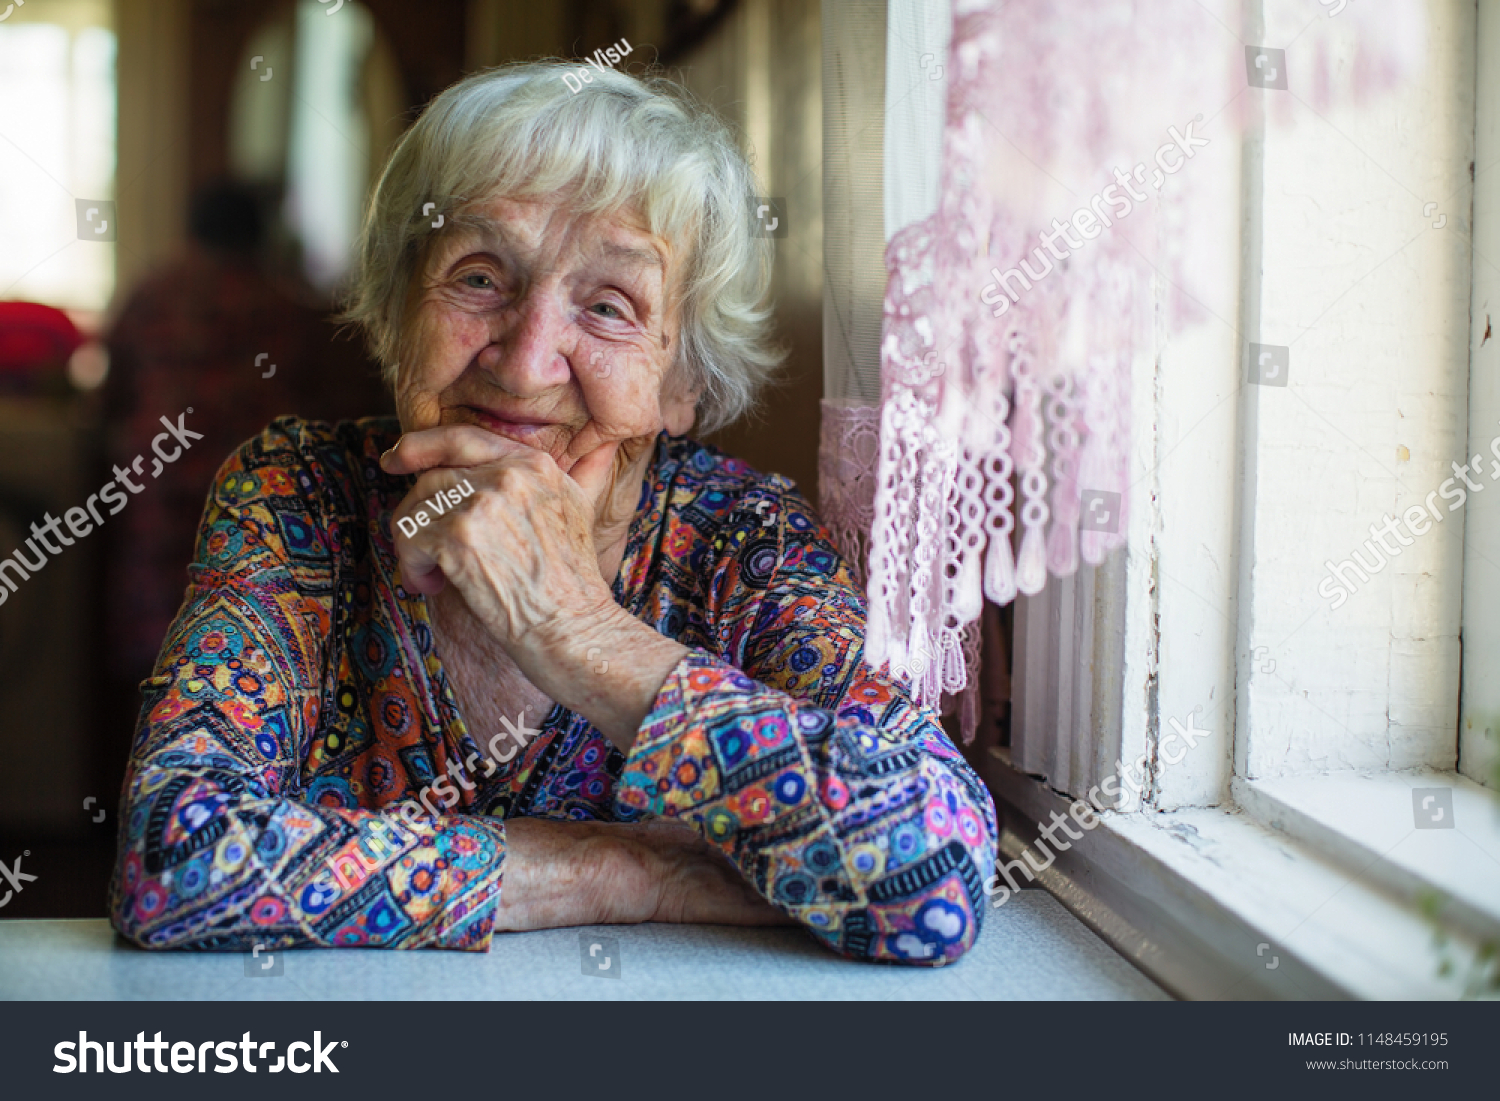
x=1216, y=871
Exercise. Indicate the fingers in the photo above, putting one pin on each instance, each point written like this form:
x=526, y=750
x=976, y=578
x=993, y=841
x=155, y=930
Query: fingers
x=420, y=572
x=595, y=472
x=436, y=496
x=447, y=445
x=542, y=513
x=426, y=579
x=599, y=472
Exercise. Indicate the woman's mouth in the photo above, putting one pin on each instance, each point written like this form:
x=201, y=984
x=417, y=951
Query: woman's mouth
x=525, y=430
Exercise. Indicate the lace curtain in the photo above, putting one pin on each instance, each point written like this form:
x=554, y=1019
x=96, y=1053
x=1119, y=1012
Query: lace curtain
x=1047, y=263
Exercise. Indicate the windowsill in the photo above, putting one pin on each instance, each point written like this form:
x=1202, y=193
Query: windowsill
x=1367, y=823
x=1215, y=904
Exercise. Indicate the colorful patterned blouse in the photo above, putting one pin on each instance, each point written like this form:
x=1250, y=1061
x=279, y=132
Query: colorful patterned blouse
x=299, y=701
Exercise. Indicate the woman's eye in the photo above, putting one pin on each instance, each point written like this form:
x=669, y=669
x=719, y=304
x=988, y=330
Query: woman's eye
x=612, y=313
x=478, y=282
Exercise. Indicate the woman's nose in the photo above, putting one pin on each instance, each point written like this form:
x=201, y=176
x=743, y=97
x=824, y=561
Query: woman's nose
x=529, y=343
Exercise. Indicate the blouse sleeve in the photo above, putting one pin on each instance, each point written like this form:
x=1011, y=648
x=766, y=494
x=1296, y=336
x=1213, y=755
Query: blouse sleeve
x=835, y=793
x=221, y=847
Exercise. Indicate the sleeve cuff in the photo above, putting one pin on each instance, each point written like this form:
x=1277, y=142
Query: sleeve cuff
x=469, y=847
x=712, y=727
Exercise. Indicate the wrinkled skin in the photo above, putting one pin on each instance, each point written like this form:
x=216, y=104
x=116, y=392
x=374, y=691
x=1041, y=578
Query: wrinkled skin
x=539, y=365
x=553, y=334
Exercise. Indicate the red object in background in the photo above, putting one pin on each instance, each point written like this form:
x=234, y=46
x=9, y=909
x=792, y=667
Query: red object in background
x=35, y=338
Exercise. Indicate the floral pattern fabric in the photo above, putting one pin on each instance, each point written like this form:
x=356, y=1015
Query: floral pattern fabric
x=299, y=701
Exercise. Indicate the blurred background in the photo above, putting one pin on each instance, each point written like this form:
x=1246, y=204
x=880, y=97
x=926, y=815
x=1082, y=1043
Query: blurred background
x=181, y=182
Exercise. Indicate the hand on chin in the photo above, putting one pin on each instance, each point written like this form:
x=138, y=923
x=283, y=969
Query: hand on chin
x=528, y=545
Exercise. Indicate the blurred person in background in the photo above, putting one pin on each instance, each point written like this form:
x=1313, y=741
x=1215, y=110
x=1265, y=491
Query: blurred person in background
x=214, y=332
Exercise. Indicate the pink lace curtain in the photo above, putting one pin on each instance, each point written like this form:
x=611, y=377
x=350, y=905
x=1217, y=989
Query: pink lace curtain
x=1059, y=256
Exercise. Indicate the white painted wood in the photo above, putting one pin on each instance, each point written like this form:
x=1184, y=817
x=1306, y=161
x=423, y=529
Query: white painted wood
x=1171, y=650
x=1445, y=840
x=1142, y=648
x=1196, y=547
x=1373, y=302
x=1067, y=686
x=1190, y=897
x=1033, y=734
x=1052, y=647
x=1192, y=493
x=1479, y=729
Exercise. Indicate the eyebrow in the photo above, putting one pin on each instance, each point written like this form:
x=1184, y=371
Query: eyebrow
x=642, y=257
x=492, y=236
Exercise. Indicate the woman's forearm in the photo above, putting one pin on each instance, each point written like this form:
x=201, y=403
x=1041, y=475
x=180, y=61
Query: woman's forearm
x=559, y=873
x=608, y=667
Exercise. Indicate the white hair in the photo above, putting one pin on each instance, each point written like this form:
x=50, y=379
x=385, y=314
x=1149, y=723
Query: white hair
x=619, y=143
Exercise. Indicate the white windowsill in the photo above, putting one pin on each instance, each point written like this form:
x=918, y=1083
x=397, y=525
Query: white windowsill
x=1192, y=896
x=1368, y=821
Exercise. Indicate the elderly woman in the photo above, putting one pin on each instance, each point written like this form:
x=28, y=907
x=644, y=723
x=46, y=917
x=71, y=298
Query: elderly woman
x=532, y=657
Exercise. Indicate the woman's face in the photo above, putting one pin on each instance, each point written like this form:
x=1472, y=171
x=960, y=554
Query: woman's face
x=547, y=327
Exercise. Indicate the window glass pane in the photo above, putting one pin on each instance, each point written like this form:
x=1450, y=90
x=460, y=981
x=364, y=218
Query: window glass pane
x=329, y=154
x=56, y=151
